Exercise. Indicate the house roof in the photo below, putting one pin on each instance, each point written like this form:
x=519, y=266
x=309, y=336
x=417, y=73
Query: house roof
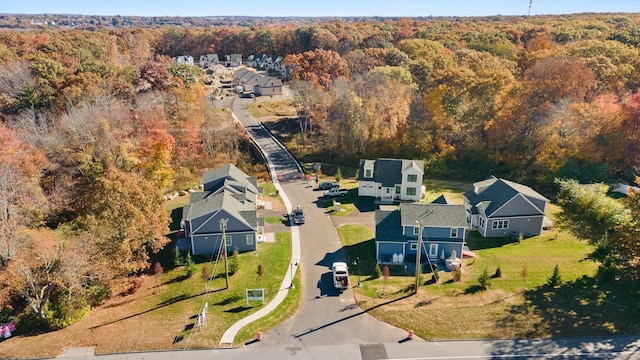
x=437, y=215
x=264, y=82
x=443, y=200
x=231, y=172
x=212, y=202
x=493, y=193
x=388, y=226
x=388, y=172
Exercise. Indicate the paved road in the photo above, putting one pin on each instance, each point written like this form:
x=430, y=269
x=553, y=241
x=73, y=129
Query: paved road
x=326, y=316
x=625, y=348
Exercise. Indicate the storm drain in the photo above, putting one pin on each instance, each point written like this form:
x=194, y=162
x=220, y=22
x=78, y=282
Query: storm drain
x=373, y=352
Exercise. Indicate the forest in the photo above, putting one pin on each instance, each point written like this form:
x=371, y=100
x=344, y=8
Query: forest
x=97, y=125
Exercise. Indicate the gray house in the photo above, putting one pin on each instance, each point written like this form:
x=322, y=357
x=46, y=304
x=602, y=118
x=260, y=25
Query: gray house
x=397, y=229
x=229, y=195
x=497, y=207
x=391, y=179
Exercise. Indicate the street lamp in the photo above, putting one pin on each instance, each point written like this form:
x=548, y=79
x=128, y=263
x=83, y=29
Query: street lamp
x=357, y=263
x=292, y=264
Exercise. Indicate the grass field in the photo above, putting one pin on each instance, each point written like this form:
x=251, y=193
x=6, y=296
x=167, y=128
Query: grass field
x=512, y=306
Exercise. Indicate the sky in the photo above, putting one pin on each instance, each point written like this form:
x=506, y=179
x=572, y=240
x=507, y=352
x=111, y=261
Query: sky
x=277, y=8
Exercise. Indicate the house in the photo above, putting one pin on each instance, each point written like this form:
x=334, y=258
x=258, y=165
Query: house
x=233, y=60
x=268, y=86
x=255, y=61
x=209, y=60
x=391, y=179
x=497, y=207
x=184, y=59
x=397, y=228
x=229, y=196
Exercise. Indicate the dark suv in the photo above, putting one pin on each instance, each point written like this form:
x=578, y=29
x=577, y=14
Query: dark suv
x=327, y=185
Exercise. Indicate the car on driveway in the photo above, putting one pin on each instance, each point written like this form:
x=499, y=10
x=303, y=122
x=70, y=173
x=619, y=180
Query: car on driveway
x=297, y=215
x=328, y=185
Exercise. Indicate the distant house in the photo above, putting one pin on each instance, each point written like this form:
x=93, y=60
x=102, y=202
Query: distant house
x=233, y=60
x=209, y=60
x=183, y=59
x=268, y=86
x=391, y=179
x=397, y=230
x=229, y=195
x=255, y=61
x=497, y=207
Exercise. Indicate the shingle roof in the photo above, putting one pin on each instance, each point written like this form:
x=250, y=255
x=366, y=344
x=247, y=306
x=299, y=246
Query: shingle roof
x=443, y=200
x=231, y=172
x=433, y=215
x=493, y=193
x=388, y=172
x=388, y=226
x=243, y=212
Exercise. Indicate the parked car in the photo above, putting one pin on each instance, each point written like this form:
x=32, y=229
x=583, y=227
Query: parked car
x=297, y=215
x=248, y=95
x=335, y=192
x=340, y=275
x=328, y=185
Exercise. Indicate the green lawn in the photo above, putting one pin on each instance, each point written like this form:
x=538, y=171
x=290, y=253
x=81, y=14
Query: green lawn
x=511, y=307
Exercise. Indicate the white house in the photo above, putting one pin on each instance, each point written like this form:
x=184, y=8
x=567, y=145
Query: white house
x=391, y=179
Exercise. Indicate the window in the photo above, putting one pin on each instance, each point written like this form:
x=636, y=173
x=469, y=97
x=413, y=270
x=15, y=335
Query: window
x=228, y=240
x=414, y=246
x=411, y=191
x=415, y=230
x=388, y=190
x=454, y=232
x=482, y=222
x=412, y=178
x=367, y=173
x=397, y=189
x=249, y=239
x=500, y=224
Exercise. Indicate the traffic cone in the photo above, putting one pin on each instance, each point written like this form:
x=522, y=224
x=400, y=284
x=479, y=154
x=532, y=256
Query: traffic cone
x=410, y=336
x=259, y=336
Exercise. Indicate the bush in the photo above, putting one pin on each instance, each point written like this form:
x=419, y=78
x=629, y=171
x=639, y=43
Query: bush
x=498, y=273
x=377, y=272
x=555, y=279
x=206, y=272
x=436, y=275
x=233, y=264
x=96, y=295
x=484, y=280
x=136, y=284
x=157, y=269
x=339, y=175
x=260, y=271
x=457, y=274
x=190, y=266
x=178, y=259
x=61, y=313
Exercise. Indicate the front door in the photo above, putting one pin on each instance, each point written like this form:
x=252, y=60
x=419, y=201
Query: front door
x=388, y=194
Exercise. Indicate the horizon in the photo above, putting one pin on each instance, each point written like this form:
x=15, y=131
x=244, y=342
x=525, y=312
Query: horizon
x=328, y=8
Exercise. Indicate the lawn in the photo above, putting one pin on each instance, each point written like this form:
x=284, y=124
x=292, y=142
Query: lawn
x=512, y=306
x=161, y=314
x=273, y=108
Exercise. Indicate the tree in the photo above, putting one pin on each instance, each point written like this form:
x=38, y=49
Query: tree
x=260, y=271
x=189, y=266
x=484, y=279
x=320, y=67
x=234, y=266
x=206, y=272
x=524, y=274
x=555, y=279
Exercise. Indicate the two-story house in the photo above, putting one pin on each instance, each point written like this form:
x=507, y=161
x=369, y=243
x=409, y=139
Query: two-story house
x=391, y=179
x=229, y=197
x=397, y=228
x=497, y=207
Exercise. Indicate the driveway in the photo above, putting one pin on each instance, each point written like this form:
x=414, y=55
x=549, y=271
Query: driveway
x=363, y=213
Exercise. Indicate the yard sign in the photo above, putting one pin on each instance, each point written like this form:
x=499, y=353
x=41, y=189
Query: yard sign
x=255, y=294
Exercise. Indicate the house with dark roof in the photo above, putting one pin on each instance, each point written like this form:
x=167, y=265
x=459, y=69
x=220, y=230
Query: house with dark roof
x=268, y=85
x=208, y=60
x=397, y=228
x=233, y=60
x=229, y=197
x=497, y=207
x=391, y=179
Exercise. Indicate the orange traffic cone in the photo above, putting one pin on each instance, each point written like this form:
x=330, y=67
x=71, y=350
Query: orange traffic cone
x=410, y=335
x=259, y=336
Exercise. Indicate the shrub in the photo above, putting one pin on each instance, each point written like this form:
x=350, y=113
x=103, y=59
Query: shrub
x=339, y=175
x=60, y=312
x=555, y=279
x=206, y=272
x=136, y=284
x=498, y=273
x=377, y=272
x=234, y=266
x=260, y=271
x=436, y=275
x=178, y=259
x=96, y=295
x=484, y=280
x=457, y=274
x=157, y=269
x=190, y=266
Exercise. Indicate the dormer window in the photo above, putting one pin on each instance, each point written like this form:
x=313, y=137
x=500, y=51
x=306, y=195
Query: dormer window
x=367, y=173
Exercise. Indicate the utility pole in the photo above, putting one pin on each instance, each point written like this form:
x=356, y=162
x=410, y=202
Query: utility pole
x=418, y=267
x=223, y=228
x=530, y=1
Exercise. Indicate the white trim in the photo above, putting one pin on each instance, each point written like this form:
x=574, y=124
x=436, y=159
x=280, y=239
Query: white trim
x=413, y=246
x=451, y=235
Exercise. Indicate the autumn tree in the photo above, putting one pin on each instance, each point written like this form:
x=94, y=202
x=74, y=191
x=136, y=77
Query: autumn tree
x=321, y=67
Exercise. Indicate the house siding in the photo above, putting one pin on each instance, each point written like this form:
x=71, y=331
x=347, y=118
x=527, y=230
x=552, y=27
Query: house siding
x=406, y=184
x=518, y=206
x=447, y=247
x=205, y=244
x=387, y=249
x=530, y=225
